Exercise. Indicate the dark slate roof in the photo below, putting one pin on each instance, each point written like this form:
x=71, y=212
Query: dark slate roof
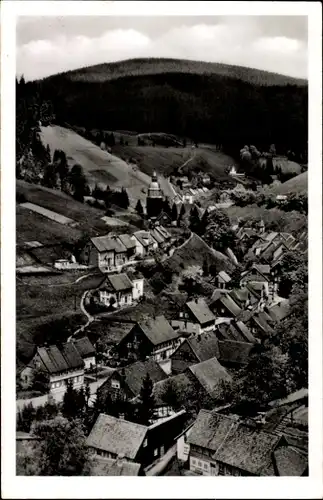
x=262, y=268
x=127, y=241
x=234, y=352
x=261, y=320
x=210, y=429
x=108, y=244
x=144, y=238
x=241, y=295
x=210, y=373
x=163, y=231
x=217, y=294
x=230, y=304
x=205, y=346
x=119, y=282
x=84, y=347
x=158, y=330
x=180, y=382
x=157, y=236
x=248, y=449
x=136, y=372
x=117, y=436
x=244, y=330
x=56, y=360
x=200, y=311
x=290, y=461
x=108, y=467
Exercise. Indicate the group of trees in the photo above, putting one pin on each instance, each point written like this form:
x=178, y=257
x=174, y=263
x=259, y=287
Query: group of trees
x=111, y=197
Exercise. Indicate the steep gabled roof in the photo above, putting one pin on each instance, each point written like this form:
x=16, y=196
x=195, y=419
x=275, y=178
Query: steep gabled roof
x=157, y=236
x=158, y=330
x=200, y=311
x=205, y=347
x=226, y=278
x=57, y=360
x=84, y=347
x=117, y=436
x=210, y=429
x=210, y=374
x=108, y=244
x=230, y=304
x=248, y=449
x=136, y=373
x=119, y=282
x=163, y=231
x=127, y=241
x=144, y=237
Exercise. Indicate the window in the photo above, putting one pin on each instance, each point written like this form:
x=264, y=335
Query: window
x=145, y=443
x=129, y=345
x=212, y=466
x=193, y=461
x=205, y=465
x=156, y=452
x=115, y=384
x=199, y=464
x=126, y=299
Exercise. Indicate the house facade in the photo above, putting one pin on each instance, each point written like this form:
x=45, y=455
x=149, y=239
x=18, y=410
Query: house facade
x=87, y=352
x=116, y=288
x=107, y=253
x=62, y=365
x=196, y=318
x=113, y=437
x=144, y=243
x=152, y=337
x=222, y=446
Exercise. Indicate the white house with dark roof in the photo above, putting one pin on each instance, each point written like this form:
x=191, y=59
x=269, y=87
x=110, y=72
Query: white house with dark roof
x=62, y=365
x=116, y=290
x=108, y=253
x=196, y=318
x=115, y=438
x=223, y=279
x=153, y=337
x=145, y=243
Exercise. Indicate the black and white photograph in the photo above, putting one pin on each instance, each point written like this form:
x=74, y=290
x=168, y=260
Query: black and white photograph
x=163, y=244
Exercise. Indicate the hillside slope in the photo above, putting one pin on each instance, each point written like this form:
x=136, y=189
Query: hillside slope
x=298, y=184
x=99, y=166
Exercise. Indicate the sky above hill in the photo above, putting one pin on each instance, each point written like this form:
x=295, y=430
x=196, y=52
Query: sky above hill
x=49, y=45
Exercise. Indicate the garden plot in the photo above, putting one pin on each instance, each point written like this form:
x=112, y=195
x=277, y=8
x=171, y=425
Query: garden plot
x=48, y=213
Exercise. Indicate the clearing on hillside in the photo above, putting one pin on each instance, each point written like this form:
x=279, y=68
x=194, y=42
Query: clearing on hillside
x=98, y=165
x=61, y=219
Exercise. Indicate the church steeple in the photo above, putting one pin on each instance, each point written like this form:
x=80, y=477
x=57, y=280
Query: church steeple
x=154, y=198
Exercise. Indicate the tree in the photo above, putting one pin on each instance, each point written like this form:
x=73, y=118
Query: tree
x=78, y=182
x=70, y=407
x=205, y=268
x=147, y=401
x=123, y=199
x=171, y=396
x=174, y=214
x=26, y=417
x=182, y=213
x=40, y=381
x=62, y=450
x=139, y=208
x=194, y=220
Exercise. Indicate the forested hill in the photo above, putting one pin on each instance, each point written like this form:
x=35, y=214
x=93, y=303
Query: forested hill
x=207, y=102
x=154, y=66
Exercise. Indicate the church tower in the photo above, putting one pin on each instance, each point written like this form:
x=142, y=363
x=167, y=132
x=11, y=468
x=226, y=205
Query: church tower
x=155, y=198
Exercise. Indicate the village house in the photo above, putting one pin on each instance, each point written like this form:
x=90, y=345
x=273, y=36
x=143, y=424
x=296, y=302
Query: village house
x=225, y=307
x=122, y=288
x=164, y=219
x=150, y=337
x=183, y=448
x=223, y=280
x=62, y=365
x=210, y=375
x=116, y=290
x=194, y=350
x=144, y=243
x=161, y=236
x=113, y=437
x=107, y=253
x=125, y=383
x=196, y=318
x=235, y=331
x=220, y=445
x=87, y=352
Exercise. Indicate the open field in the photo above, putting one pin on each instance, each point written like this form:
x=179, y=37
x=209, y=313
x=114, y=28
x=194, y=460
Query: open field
x=98, y=165
x=61, y=219
x=298, y=184
x=31, y=226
